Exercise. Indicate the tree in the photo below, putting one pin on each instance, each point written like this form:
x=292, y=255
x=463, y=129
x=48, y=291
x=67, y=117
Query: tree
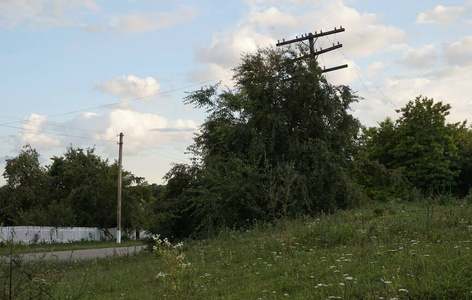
x=280, y=143
x=420, y=145
x=427, y=149
x=27, y=187
x=87, y=184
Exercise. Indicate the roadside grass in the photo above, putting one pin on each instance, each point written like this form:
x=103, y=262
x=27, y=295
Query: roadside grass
x=385, y=251
x=44, y=247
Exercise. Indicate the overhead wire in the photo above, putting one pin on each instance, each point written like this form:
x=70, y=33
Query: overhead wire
x=37, y=119
x=123, y=101
x=55, y=133
x=360, y=77
x=159, y=150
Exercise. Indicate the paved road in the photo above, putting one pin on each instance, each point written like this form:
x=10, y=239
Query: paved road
x=82, y=254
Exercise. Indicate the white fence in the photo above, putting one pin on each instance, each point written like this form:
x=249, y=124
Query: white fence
x=40, y=234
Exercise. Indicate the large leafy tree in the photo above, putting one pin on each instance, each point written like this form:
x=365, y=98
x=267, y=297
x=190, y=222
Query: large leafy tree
x=420, y=144
x=279, y=143
x=85, y=182
x=27, y=187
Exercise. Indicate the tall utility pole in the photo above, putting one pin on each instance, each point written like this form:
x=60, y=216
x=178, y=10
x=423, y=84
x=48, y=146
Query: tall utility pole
x=118, y=210
x=315, y=52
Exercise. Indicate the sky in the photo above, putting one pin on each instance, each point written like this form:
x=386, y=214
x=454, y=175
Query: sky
x=78, y=72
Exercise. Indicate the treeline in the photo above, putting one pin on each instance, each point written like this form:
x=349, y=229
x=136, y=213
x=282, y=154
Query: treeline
x=76, y=189
x=281, y=143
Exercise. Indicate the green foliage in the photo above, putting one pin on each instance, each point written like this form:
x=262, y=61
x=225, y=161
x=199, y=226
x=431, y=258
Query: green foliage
x=77, y=189
x=464, y=180
x=27, y=186
x=427, y=149
x=86, y=182
x=420, y=145
x=407, y=251
x=279, y=144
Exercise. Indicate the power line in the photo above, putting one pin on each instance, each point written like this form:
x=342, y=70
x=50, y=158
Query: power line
x=50, y=124
x=55, y=133
x=360, y=77
x=121, y=102
x=160, y=150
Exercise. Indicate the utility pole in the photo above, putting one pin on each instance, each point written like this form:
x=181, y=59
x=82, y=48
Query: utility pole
x=118, y=210
x=312, y=38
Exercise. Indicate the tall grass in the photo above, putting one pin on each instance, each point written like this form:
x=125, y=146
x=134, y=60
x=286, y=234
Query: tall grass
x=387, y=251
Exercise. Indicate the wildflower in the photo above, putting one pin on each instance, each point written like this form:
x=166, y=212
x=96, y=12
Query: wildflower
x=342, y=284
x=349, y=278
x=161, y=274
x=385, y=281
x=403, y=290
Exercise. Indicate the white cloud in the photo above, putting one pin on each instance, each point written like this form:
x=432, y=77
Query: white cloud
x=145, y=21
x=267, y=22
x=42, y=13
x=148, y=131
x=130, y=86
x=32, y=134
x=273, y=17
x=227, y=47
x=375, y=68
x=441, y=15
x=458, y=53
x=225, y=52
x=365, y=34
x=423, y=58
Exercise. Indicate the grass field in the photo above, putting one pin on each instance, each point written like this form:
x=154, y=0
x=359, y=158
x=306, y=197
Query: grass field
x=387, y=251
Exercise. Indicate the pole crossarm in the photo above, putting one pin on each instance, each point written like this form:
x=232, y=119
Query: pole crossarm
x=334, y=68
x=321, y=51
x=314, y=52
x=310, y=36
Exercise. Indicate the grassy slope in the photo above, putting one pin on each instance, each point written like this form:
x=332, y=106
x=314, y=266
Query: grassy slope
x=404, y=251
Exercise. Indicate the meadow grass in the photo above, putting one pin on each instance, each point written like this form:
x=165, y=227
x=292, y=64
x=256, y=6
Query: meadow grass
x=385, y=251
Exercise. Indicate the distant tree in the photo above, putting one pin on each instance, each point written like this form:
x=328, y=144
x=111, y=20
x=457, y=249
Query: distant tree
x=427, y=146
x=464, y=180
x=87, y=184
x=380, y=141
x=27, y=186
x=420, y=145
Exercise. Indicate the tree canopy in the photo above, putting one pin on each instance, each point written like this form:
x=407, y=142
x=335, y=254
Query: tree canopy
x=419, y=144
x=76, y=189
x=280, y=143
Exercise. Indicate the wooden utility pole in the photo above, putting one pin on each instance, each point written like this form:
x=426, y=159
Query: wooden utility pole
x=311, y=40
x=118, y=210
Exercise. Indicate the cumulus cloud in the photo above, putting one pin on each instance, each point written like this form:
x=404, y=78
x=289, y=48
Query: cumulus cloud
x=422, y=58
x=273, y=17
x=45, y=13
x=145, y=130
x=269, y=21
x=367, y=35
x=32, y=134
x=130, y=86
x=458, y=53
x=441, y=15
x=145, y=21
x=375, y=68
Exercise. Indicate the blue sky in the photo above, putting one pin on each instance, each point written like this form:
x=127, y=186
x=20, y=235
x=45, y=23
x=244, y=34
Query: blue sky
x=63, y=61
